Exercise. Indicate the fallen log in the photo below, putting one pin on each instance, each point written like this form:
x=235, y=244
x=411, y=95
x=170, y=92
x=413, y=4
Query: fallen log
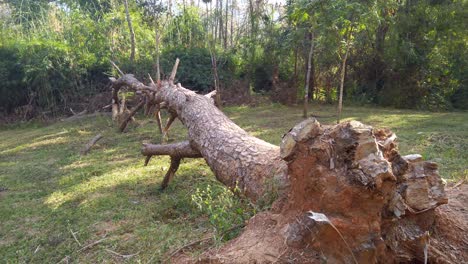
x=344, y=193
x=90, y=144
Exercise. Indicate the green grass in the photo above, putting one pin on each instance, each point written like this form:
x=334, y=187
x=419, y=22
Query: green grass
x=52, y=190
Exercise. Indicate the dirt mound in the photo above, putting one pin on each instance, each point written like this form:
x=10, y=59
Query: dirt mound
x=449, y=240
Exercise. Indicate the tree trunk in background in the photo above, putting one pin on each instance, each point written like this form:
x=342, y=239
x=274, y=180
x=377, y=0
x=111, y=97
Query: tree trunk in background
x=377, y=66
x=309, y=66
x=158, y=38
x=216, y=19
x=342, y=79
x=216, y=79
x=232, y=22
x=253, y=42
x=311, y=77
x=221, y=23
x=226, y=25
x=348, y=35
x=343, y=193
x=132, y=33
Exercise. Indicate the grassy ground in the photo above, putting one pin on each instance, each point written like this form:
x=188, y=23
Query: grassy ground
x=52, y=191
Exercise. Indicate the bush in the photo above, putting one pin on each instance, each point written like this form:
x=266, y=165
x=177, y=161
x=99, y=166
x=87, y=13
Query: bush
x=13, y=91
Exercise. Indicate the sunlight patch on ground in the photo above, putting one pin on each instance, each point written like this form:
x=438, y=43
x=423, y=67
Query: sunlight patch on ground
x=34, y=145
x=98, y=184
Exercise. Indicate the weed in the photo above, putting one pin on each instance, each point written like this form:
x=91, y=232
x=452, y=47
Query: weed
x=223, y=208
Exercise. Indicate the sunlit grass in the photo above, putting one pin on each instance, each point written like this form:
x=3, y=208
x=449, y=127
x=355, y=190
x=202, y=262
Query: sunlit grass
x=51, y=189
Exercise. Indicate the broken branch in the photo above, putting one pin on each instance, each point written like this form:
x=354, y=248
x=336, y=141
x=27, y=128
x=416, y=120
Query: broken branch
x=130, y=115
x=170, y=120
x=117, y=68
x=90, y=144
x=92, y=244
x=175, y=162
x=174, y=71
x=181, y=149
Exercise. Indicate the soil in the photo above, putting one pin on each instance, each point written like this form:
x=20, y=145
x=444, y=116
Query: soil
x=450, y=235
x=451, y=224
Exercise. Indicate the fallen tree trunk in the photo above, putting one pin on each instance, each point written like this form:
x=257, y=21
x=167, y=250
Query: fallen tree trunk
x=345, y=195
x=237, y=159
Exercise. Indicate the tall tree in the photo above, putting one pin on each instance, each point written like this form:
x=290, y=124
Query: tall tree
x=132, y=32
x=309, y=67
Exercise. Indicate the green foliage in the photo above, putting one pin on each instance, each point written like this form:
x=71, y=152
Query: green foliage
x=13, y=90
x=223, y=209
x=406, y=54
x=186, y=30
x=196, y=70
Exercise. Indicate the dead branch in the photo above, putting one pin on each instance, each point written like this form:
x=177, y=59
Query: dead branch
x=181, y=149
x=176, y=151
x=92, y=244
x=175, y=162
x=174, y=71
x=75, y=116
x=117, y=68
x=121, y=255
x=131, y=82
x=211, y=94
x=157, y=114
x=90, y=144
x=130, y=115
x=74, y=237
x=147, y=160
x=169, y=122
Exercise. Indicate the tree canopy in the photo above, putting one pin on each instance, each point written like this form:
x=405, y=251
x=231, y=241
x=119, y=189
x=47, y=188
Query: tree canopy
x=405, y=54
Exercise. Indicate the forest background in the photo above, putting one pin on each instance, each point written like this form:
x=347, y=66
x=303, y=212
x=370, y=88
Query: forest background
x=55, y=54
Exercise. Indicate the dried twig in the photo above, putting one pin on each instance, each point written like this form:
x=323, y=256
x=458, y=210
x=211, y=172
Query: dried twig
x=121, y=255
x=174, y=71
x=92, y=244
x=75, y=115
x=189, y=245
x=458, y=184
x=37, y=249
x=90, y=144
x=74, y=236
x=117, y=68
